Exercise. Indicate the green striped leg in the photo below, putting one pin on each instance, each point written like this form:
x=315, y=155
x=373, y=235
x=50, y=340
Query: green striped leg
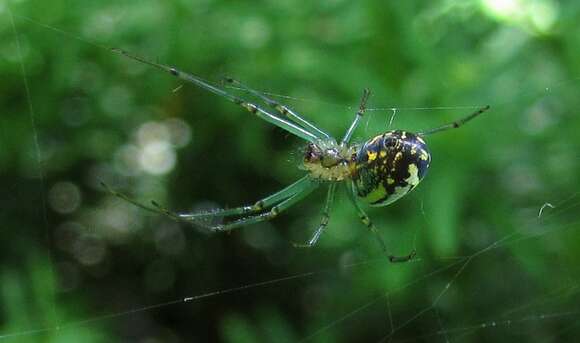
x=259, y=206
x=190, y=218
x=358, y=116
x=271, y=214
x=252, y=108
x=372, y=228
x=323, y=222
x=283, y=110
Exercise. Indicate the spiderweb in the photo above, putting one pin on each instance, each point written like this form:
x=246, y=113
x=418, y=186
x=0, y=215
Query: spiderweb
x=80, y=265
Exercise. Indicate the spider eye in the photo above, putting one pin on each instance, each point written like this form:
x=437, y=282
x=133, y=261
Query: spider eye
x=390, y=166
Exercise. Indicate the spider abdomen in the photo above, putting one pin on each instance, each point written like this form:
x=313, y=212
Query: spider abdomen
x=389, y=166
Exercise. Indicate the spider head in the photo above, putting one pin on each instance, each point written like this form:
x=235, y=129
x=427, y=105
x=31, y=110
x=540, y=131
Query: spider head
x=389, y=166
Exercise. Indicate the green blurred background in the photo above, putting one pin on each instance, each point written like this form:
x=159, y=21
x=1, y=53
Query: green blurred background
x=488, y=269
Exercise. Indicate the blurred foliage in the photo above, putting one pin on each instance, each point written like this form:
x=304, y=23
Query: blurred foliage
x=75, y=258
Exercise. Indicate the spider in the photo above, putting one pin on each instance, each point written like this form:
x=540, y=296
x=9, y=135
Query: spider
x=378, y=172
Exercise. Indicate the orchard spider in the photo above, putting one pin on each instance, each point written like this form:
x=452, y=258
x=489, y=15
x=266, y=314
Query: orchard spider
x=377, y=172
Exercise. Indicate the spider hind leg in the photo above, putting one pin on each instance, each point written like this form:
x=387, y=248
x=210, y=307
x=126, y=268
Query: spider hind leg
x=372, y=228
x=457, y=123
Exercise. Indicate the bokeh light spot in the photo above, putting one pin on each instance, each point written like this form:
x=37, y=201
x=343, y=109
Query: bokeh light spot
x=157, y=158
x=64, y=197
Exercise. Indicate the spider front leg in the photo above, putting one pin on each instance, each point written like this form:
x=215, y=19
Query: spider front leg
x=154, y=207
x=302, y=185
x=372, y=228
x=283, y=110
x=271, y=214
x=323, y=222
x=259, y=206
x=250, y=107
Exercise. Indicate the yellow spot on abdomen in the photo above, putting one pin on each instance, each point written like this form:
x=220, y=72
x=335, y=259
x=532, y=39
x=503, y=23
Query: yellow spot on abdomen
x=413, y=178
x=372, y=155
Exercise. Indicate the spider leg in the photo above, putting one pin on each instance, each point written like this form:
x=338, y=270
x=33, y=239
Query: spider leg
x=154, y=207
x=250, y=107
x=357, y=118
x=271, y=214
x=372, y=228
x=456, y=124
x=259, y=206
x=323, y=222
x=284, y=110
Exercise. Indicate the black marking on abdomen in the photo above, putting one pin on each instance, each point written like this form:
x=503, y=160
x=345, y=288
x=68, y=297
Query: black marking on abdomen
x=387, y=161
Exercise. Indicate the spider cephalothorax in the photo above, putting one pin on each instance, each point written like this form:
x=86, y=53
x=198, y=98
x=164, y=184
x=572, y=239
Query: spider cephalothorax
x=327, y=160
x=379, y=172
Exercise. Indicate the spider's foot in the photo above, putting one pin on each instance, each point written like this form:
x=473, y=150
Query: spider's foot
x=303, y=245
x=115, y=193
x=398, y=259
x=108, y=189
